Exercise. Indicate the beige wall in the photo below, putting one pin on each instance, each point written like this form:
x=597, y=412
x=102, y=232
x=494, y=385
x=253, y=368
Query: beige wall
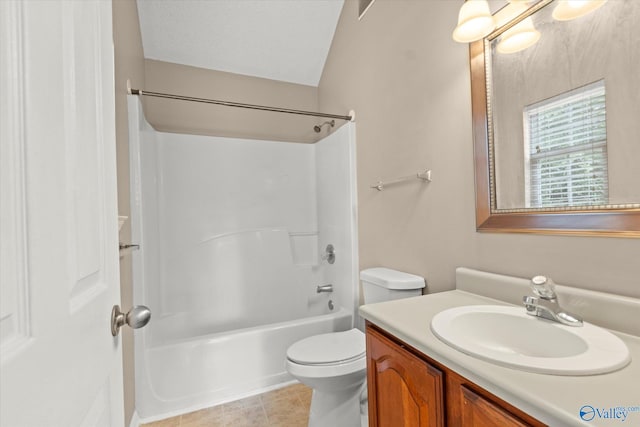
x=408, y=82
x=129, y=64
x=197, y=118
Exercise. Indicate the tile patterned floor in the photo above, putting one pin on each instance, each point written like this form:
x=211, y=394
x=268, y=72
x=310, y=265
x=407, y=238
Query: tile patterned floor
x=284, y=407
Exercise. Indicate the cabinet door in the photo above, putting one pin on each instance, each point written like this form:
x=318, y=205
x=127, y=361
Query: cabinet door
x=404, y=390
x=480, y=412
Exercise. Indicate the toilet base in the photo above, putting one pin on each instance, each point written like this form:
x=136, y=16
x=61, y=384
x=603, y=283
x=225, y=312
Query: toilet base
x=337, y=408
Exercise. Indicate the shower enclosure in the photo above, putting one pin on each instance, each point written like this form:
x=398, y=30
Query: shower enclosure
x=231, y=235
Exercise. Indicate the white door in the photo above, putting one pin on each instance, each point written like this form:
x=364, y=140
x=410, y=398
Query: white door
x=60, y=366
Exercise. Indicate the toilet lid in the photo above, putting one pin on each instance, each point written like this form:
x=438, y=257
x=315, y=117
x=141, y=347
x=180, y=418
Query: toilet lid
x=328, y=348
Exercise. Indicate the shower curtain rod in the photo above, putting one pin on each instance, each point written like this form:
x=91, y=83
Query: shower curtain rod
x=141, y=92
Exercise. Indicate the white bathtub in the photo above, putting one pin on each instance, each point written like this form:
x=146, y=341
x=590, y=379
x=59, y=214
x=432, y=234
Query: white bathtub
x=225, y=313
x=200, y=372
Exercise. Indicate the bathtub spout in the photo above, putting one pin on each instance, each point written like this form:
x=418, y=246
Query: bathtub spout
x=324, y=288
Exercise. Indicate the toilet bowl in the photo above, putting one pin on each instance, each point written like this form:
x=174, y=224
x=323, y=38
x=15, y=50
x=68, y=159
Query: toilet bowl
x=335, y=364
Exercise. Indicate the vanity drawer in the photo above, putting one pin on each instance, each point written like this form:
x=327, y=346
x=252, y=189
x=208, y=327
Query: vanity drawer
x=477, y=411
x=469, y=405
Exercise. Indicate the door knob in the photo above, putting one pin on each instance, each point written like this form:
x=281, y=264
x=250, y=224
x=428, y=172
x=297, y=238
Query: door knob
x=136, y=318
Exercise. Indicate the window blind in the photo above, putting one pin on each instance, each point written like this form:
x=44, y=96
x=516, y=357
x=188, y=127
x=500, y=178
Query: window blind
x=566, y=149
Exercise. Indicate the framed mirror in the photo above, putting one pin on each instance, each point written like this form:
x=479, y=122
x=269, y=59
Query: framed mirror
x=557, y=124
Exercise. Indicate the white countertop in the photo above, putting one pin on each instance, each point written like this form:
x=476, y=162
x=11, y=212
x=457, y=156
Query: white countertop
x=554, y=400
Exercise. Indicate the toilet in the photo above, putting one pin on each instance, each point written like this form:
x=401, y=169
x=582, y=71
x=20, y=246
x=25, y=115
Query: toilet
x=334, y=365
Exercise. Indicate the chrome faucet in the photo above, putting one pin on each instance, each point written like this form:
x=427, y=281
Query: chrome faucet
x=546, y=304
x=324, y=288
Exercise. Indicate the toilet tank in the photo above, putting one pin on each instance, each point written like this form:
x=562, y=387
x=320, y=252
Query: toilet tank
x=384, y=284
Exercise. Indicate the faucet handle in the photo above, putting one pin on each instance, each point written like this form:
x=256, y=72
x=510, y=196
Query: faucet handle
x=530, y=303
x=329, y=254
x=543, y=287
x=324, y=288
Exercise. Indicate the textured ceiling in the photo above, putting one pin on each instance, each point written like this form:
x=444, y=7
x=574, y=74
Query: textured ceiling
x=284, y=40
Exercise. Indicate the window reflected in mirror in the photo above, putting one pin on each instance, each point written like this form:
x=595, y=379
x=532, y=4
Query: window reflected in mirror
x=563, y=125
x=565, y=147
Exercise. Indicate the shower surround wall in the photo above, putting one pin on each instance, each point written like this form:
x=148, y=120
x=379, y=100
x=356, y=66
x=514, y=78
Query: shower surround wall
x=231, y=232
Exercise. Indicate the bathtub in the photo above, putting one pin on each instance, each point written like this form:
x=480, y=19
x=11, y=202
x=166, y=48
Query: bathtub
x=191, y=374
x=226, y=310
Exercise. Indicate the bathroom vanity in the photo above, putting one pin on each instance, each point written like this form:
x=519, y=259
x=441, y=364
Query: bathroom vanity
x=415, y=377
x=406, y=384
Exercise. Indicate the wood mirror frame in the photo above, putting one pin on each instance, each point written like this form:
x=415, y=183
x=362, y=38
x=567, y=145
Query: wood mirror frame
x=605, y=222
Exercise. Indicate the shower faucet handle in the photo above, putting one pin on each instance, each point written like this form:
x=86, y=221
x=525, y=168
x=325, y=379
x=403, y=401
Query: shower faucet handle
x=329, y=254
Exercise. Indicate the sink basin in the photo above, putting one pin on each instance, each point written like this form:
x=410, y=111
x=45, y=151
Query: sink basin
x=509, y=337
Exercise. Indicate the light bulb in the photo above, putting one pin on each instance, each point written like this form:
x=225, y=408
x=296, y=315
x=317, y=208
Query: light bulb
x=519, y=37
x=567, y=10
x=474, y=21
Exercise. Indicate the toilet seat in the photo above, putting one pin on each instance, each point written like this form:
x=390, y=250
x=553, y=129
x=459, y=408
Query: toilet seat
x=328, y=349
x=357, y=367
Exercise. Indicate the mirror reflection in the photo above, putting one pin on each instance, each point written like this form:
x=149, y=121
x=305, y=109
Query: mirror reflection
x=564, y=111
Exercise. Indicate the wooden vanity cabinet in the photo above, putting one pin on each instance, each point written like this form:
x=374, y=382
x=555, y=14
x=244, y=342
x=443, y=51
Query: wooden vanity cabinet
x=408, y=389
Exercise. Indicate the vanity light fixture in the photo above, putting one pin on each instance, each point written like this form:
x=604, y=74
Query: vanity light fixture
x=567, y=10
x=474, y=21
